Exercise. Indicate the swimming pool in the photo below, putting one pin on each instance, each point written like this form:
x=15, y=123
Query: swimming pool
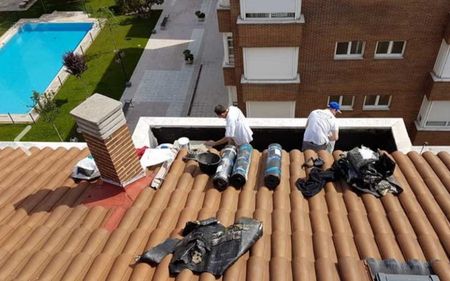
x=32, y=58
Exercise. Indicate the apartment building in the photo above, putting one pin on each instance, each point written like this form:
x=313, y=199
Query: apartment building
x=377, y=58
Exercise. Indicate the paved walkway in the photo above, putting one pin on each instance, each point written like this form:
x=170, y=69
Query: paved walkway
x=14, y=5
x=162, y=84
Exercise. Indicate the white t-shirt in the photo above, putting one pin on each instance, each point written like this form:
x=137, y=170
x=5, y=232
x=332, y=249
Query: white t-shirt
x=321, y=122
x=237, y=126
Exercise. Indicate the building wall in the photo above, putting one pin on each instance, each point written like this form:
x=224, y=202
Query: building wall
x=421, y=23
x=431, y=137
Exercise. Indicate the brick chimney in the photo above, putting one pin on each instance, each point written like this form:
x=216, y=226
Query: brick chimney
x=103, y=124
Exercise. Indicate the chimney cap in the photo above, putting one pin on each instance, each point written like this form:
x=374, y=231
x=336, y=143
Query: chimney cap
x=96, y=108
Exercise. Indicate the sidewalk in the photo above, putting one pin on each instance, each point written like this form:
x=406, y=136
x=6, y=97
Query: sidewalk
x=162, y=84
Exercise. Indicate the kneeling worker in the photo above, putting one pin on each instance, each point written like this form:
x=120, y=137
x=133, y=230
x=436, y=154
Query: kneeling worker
x=237, y=130
x=322, y=128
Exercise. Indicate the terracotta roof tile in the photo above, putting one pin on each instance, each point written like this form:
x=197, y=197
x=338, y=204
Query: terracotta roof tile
x=48, y=233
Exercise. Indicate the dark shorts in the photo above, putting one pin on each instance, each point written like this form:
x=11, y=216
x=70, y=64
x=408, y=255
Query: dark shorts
x=310, y=145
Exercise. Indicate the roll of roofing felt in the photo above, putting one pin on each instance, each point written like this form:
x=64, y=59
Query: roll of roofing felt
x=240, y=170
x=221, y=178
x=272, y=173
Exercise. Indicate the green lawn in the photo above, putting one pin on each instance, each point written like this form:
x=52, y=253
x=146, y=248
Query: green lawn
x=103, y=76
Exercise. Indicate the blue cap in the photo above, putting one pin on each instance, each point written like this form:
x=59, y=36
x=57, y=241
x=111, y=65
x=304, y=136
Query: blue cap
x=334, y=105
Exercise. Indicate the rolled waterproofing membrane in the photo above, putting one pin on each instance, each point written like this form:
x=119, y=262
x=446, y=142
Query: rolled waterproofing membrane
x=240, y=170
x=272, y=172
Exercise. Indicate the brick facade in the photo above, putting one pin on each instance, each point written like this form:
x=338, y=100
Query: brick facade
x=224, y=20
x=431, y=137
x=228, y=76
x=422, y=24
x=115, y=157
x=436, y=90
x=447, y=30
x=270, y=35
x=269, y=92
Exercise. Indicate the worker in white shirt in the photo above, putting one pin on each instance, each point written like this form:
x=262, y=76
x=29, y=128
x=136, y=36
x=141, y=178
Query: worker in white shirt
x=237, y=130
x=322, y=129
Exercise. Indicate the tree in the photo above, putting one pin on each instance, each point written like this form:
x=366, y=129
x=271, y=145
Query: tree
x=110, y=22
x=140, y=7
x=47, y=108
x=75, y=65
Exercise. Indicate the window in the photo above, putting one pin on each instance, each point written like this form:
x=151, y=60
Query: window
x=282, y=15
x=349, y=50
x=276, y=64
x=437, y=124
x=346, y=102
x=257, y=15
x=270, y=10
x=228, y=48
x=390, y=49
x=270, y=109
x=377, y=102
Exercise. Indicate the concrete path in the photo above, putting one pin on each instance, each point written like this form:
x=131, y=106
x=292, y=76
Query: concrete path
x=14, y=5
x=162, y=84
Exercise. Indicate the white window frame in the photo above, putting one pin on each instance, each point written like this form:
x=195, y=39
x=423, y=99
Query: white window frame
x=389, y=55
x=376, y=106
x=341, y=98
x=228, y=59
x=349, y=56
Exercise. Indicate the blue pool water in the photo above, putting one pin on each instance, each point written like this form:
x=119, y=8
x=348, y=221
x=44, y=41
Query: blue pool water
x=31, y=59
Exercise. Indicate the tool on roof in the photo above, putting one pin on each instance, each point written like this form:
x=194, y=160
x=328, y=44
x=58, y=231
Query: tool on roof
x=207, y=161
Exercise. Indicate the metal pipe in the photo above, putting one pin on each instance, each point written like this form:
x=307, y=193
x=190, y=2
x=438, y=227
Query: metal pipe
x=31, y=116
x=12, y=120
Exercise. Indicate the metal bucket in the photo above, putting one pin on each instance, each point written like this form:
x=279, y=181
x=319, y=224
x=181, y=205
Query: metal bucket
x=208, y=162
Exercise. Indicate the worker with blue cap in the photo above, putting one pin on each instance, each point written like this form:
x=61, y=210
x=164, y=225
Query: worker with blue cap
x=322, y=129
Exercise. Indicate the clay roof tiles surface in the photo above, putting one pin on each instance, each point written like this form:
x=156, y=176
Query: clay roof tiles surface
x=52, y=229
